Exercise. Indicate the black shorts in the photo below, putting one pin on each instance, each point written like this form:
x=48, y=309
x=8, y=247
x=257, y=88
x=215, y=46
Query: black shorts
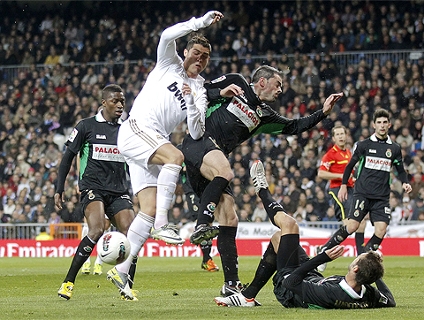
x=113, y=203
x=291, y=255
x=287, y=297
x=194, y=151
x=341, y=209
x=378, y=209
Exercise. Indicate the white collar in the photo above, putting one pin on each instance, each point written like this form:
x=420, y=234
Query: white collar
x=374, y=138
x=349, y=290
x=99, y=117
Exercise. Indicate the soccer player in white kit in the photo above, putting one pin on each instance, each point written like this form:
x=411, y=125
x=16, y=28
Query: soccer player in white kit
x=173, y=92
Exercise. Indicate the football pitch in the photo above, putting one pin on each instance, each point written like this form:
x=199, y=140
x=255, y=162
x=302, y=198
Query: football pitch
x=176, y=288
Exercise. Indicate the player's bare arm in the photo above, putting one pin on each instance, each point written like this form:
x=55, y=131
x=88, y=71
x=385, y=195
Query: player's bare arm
x=407, y=187
x=216, y=16
x=231, y=91
x=58, y=200
x=186, y=89
x=330, y=102
x=335, y=252
x=342, y=194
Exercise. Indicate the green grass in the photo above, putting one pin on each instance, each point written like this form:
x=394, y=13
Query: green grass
x=176, y=288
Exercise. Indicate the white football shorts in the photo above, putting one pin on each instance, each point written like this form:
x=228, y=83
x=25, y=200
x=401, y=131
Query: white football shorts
x=137, y=144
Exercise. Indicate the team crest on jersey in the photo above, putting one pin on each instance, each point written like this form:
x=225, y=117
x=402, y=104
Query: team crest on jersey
x=91, y=195
x=218, y=79
x=211, y=207
x=388, y=153
x=356, y=213
x=159, y=137
x=73, y=135
x=259, y=111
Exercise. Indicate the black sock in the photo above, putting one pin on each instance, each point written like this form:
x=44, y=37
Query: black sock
x=338, y=237
x=266, y=268
x=206, y=251
x=131, y=272
x=373, y=243
x=228, y=251
x=83, y=252
x=271, y=206
x=210, y=199
x=359, y=242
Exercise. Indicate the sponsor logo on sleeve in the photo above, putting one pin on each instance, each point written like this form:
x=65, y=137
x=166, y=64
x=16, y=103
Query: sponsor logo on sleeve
x=73, y=135
x=326, y=164
x=218, y=79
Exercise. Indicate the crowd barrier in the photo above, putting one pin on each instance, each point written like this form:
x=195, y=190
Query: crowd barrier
x=342, y=60
x=252, y=240
x=31, y=230
x=246, y=230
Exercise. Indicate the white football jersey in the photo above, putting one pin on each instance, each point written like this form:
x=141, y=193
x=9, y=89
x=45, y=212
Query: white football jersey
x=160, y=105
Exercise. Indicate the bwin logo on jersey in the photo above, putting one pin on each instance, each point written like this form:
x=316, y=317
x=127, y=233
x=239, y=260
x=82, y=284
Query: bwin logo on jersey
x=178, y=94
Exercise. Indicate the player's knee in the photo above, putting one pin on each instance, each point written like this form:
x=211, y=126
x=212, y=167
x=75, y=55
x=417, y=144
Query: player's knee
x=229, y=175
x=95, y=233
x=224, y=171
x=286, y=222
x=352, y=226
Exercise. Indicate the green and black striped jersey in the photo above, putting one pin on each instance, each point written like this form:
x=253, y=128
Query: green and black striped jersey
x=231, y=121
x=102, y=167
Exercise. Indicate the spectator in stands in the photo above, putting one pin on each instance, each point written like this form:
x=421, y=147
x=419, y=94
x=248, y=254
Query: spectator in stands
x=43, y=235
x=417, y=166
x=418, y=207
x=330, y=216
x=70, y=213
x=259, y=213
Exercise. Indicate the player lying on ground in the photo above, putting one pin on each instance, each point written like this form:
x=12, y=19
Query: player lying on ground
x=298, y=284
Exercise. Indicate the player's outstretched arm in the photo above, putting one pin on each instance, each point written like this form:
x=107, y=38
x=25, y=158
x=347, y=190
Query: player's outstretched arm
x=335, y=252
x=212, y=17
x=166, y=50
x=330, y=102
x=231, y=91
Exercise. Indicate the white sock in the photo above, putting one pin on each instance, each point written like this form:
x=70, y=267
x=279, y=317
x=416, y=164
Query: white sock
x=167, y=182
x=98, y=260
x=84, y=231
x=137, y=235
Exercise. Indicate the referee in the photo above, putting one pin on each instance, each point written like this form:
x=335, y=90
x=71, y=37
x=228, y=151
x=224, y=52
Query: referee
x=333, y=164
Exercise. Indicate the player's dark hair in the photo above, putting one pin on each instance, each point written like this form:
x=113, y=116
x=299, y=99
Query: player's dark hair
x=338, y=127
x=370, y=268
x=109, y=89
x=198, y=39
x=266, y=72
x=381, y=113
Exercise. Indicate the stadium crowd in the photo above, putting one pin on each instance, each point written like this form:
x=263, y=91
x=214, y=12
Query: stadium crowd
x=57, y=85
